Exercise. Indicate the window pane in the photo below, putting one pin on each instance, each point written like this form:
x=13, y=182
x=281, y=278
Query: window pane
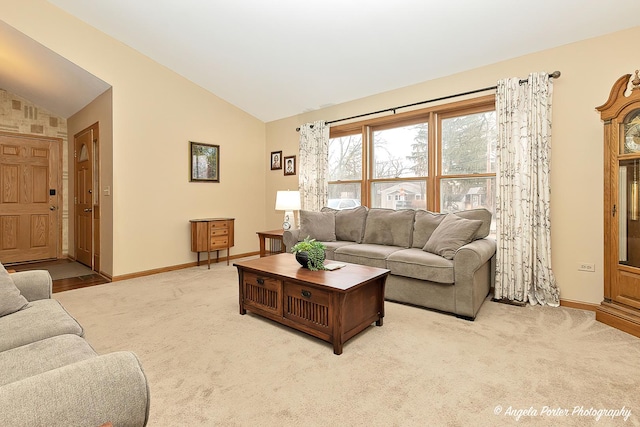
x=468, y=193
x=400, y=152
x=399, y=195
x=345, y=158
x=344, y=196
x=469, y=144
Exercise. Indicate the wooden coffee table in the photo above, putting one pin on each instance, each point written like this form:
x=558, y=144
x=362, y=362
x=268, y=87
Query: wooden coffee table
x=331, y=305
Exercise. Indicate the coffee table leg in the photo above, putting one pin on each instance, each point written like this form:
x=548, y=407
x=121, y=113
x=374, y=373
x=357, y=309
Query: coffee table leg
x=381, y=300
x=338, y=304
x=240, y=292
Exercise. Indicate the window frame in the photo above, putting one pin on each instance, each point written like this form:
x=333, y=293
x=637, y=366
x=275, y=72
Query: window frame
x=433, y=116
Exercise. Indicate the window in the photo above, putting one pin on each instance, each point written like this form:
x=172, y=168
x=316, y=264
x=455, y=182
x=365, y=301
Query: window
x=468, y=145
x=345, y=170
x=442, y=158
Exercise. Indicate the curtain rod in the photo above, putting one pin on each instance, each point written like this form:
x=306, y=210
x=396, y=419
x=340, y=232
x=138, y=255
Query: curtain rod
x=553, y=75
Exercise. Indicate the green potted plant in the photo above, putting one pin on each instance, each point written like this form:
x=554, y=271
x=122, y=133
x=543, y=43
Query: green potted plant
x=310, y=254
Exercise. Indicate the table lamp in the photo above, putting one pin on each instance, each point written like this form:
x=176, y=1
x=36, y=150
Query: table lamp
x=288, y=201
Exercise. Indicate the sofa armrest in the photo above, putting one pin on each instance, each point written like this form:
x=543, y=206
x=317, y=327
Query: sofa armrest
x=474, y=254
x=472, y=275
x=108, y=388
x=33, y=284
x=290, y=238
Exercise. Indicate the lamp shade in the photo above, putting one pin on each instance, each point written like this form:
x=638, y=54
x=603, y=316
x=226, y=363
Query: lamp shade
x=288, y=201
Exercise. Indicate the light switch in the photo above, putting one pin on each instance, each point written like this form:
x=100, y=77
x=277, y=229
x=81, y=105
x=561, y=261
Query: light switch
x=107, y=191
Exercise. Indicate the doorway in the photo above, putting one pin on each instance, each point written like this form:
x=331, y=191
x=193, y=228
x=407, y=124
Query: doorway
x=87, y=197
x=30, y=177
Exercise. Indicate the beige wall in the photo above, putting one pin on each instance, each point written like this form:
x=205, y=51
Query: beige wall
x=155, y=114
x=99, y=111
x=589, y=69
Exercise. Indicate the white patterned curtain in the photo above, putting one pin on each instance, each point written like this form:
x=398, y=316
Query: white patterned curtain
x=523, y=258
x=314, y=165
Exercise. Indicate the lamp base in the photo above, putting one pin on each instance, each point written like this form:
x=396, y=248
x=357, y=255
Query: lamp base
x=288, y=220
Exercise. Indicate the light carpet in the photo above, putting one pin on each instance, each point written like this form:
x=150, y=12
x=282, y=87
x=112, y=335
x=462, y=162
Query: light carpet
x=209, y=366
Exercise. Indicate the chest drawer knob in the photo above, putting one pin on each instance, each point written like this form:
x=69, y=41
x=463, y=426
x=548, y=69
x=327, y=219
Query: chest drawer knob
x=306, y=294
x=260, y=281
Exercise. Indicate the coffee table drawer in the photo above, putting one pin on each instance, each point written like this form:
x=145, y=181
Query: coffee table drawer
x=262, y=292
x=308, y=306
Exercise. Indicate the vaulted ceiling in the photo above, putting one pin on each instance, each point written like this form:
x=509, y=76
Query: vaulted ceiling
x=279, y=58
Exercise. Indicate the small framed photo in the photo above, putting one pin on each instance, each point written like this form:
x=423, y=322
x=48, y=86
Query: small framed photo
x=276, y=160
x=205, y=162
x=290, y=165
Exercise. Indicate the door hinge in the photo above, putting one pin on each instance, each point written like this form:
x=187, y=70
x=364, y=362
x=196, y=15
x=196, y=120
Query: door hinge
x=614, y=210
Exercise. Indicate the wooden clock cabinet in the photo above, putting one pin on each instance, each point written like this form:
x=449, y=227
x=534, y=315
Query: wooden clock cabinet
x=621, y=118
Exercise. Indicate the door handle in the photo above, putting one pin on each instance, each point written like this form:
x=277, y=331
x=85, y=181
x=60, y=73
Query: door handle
x=88, y=210
x=52, y=208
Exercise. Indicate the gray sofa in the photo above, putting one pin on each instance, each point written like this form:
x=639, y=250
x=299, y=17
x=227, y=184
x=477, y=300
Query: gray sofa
x=436, y=260
x=49, y=374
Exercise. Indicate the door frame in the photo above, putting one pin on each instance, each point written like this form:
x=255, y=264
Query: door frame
x=60, y=186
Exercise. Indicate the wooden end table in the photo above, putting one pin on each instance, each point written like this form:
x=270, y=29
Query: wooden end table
x=212, y=234
x=331, y=305
x=273, y=236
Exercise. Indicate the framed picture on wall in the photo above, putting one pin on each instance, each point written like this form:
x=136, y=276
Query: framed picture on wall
x=290, y=165
x=204, y=162
x=276, y=160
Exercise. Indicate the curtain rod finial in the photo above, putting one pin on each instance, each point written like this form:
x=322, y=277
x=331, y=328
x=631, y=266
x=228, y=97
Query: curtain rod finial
x=555, y=74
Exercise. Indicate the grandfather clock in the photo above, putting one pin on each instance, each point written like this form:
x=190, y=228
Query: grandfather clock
x=621, y=117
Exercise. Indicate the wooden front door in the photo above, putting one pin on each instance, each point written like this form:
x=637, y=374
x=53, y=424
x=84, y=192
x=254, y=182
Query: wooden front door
x=83, y=197
x=29, y=198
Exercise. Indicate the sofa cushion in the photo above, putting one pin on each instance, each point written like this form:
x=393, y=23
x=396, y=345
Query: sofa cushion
x=480, y=214
x=365, y=254
x=389, y=227
x=418, y=264
x=349, y=223
x=42, y=356
x=330, y=247
x=38, y=320
x=10, y=298
x=317, y=225
x=452, y=233
x=424, y=225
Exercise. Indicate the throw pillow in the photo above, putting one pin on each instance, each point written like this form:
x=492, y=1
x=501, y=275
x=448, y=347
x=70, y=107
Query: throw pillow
x=480, y=214
x=317, y=225
x=10, y=298
x=349, y=223
x=389, y=227
x=452, y=233
x=424, y=225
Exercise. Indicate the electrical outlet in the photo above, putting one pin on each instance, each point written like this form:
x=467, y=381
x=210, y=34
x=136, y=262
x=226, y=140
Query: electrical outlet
x=586, y=266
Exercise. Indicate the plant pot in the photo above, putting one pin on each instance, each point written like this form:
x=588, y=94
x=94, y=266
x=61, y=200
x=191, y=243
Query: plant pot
x=303, y=259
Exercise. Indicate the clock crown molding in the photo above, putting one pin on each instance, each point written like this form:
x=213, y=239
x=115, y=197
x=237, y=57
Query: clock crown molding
x=636, y=81
x=618, y=101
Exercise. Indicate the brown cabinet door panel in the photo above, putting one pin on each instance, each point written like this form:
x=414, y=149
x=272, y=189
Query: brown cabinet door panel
x=262, y=293
x=308, y=306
